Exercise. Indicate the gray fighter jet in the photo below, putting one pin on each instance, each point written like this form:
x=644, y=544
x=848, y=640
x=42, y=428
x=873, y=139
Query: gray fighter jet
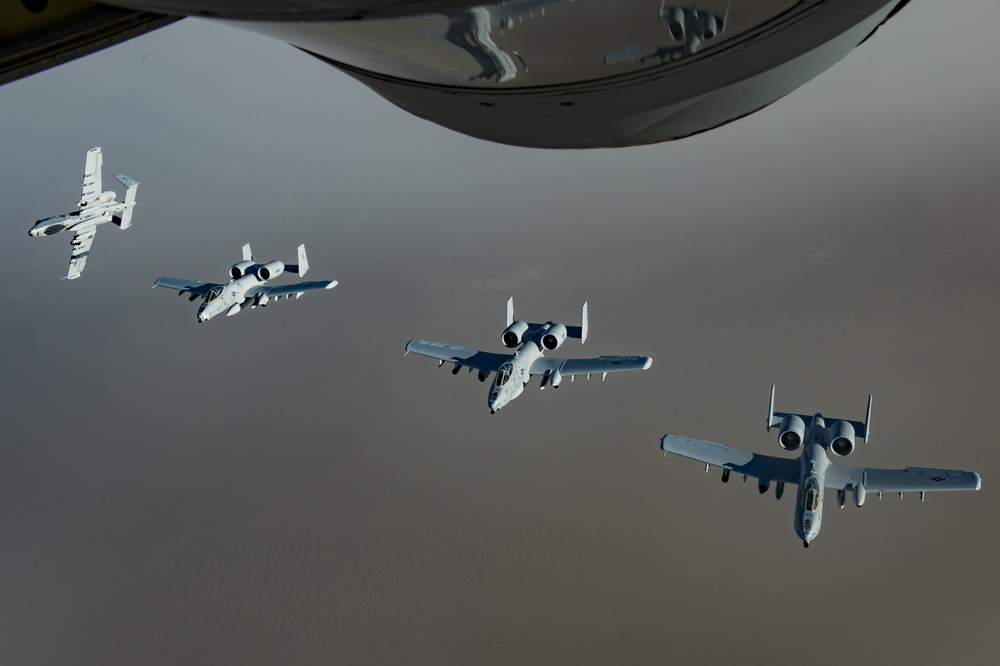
x=96, y=207
x=532, y=341
x=246, y=288
x=812, y=471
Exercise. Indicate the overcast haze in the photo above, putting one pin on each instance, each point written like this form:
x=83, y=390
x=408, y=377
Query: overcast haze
x=283, y=487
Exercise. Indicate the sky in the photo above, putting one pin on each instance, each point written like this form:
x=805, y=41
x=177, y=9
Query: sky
x=284, y=487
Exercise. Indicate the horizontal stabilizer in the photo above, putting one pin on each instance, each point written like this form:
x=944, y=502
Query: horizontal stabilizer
x=862, y=429
x=126, y=219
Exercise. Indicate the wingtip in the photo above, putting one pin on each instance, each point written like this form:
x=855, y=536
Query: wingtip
x=333, y=283
x=648, y=363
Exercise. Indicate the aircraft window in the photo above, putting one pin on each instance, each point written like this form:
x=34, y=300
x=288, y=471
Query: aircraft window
x=503, y=375
x=810, y=498
x=213, y=294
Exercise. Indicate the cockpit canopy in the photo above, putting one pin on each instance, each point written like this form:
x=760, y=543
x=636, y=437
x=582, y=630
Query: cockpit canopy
x=503, y=374
x=213, y=294
x=810, y=498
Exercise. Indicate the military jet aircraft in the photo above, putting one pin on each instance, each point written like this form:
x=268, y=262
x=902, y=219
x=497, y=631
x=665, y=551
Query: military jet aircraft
x=246, y=288
x=812, y=471
x=514, y=370
x=96, y=207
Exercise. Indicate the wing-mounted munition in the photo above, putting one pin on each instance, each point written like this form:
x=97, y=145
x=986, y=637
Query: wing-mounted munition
x=530, y=341
x=95, y=207
x=813, y=471
x=246, y=287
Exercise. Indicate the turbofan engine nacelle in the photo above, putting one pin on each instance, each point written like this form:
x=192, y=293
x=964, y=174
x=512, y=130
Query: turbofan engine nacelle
x=239, y=270
x=674, y=19
x=842, y=438
x=513, y=334
x=554, y=336
x=859, y=495
x=792, y=431
x=709, y=27
x=270, y=270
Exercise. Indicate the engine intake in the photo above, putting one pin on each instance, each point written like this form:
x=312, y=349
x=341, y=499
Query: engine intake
x=792, y=431
x=554, y=336
x=513, y=334
x=271, y=269
x=842, y=438
x=240, y=269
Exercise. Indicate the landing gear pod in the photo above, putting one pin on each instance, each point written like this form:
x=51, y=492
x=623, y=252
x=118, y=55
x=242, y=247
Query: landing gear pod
x=859, y=495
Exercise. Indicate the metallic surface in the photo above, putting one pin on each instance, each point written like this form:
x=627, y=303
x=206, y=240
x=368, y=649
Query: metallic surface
x=37, y=35
x=588, y=73
x=548, y=73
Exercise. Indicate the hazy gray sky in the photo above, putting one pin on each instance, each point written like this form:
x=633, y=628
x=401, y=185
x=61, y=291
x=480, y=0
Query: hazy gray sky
x=283, y=487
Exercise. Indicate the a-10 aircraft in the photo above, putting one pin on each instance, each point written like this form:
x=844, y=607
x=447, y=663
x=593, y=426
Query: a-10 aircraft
x=246, y=288
x=514, y=370
x=96, y=207
x=812, y=471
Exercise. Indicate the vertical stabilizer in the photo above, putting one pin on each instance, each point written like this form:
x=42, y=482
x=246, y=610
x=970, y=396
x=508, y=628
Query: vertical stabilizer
x=303, y=262
x=868, y=418
x=510, y=311
x=770, y=409
x=583, y=325
x=247, y=253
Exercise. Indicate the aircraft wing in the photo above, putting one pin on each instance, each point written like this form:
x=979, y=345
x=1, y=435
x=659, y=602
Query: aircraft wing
x=92, y=174
x=81, y=250
x=470, y=358
x=568, y=367
x=182, y=285
x=298, y=289
x=765, y=468
x=911, y=479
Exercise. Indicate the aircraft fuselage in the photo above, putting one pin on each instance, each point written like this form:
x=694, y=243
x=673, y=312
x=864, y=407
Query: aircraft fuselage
x=229, y=298
x=99, y=211
x=513, y=375
x=812, y=477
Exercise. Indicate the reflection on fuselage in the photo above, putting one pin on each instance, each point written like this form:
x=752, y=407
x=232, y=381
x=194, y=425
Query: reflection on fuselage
x=588, y=73
x=530, y=43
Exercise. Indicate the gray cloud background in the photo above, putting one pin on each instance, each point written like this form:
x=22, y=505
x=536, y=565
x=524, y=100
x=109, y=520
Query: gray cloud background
x=283, y=487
